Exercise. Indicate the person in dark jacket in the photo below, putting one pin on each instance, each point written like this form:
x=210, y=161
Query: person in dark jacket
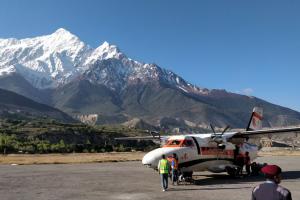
x=247, y=163
x=240, y=164
x=270, y=190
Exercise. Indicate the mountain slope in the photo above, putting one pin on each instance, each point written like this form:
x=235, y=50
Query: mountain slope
x=220, y=110
x=84, y=97
x=16, y=83
x=165, y=106
x=14, y=105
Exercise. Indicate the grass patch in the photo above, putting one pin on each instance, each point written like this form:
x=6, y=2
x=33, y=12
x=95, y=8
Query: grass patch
x=71, y=158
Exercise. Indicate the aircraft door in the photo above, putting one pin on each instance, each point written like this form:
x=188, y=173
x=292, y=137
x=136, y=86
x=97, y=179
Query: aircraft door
x=197, y=145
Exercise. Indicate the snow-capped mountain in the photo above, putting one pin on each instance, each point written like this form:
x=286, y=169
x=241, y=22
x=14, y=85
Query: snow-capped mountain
x=62, y=71
x=57, y=59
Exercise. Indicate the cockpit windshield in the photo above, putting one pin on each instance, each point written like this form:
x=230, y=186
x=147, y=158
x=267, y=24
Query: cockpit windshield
x=173, y=142
x=179, y=143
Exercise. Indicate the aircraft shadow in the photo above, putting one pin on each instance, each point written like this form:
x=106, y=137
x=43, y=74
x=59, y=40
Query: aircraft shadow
x=207, y=188
x=215, y=179
x=290, y=175
x=223, y=179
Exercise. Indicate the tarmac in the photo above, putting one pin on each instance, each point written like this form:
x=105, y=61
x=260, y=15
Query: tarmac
x=130, y=181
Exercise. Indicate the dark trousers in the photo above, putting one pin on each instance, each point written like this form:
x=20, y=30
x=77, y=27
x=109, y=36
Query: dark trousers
x=164, y=181
x=174, y=175
x=248, y=169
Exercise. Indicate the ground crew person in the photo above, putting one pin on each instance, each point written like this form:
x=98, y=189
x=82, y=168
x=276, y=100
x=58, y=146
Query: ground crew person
x=240, y=164
x=163, y=170
x=247, y=163
x=174, y=167
x=270, y=190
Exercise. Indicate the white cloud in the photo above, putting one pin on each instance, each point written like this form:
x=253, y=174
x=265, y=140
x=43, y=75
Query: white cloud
x=248, y=91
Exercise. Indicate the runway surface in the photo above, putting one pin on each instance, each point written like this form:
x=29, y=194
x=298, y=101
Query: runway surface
x=130, y=181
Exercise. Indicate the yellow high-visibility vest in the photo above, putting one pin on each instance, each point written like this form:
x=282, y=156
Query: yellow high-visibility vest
x=164, y=166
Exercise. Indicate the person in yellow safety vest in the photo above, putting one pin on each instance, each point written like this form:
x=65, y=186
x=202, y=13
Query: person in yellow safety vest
x=174, y=167
x=163, y=170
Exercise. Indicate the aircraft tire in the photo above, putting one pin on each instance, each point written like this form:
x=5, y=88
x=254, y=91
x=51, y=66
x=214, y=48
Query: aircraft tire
x=187, y=174
x=231, y=171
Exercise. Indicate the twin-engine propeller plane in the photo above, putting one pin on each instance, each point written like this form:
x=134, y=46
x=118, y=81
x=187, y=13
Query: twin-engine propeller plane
x=215, y=152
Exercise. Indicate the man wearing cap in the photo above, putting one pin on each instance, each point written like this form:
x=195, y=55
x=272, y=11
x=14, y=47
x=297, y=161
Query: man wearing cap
x=270, y=190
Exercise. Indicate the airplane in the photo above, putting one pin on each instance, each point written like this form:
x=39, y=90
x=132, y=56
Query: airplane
x=214, y=152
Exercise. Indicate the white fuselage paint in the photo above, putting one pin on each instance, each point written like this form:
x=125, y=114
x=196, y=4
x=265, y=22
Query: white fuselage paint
x=206, y=156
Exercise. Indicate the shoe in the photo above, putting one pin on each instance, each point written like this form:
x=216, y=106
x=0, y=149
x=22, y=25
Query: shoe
x=163, y=190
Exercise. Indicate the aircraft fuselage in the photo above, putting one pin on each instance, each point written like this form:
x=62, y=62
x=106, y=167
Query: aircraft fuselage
x=199, y=153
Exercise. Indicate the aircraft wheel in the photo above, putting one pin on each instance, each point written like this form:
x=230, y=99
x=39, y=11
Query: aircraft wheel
x=187, y=174
x=231, y=171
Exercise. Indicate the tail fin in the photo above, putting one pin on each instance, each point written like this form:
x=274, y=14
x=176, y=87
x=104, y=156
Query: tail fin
x=255, y=122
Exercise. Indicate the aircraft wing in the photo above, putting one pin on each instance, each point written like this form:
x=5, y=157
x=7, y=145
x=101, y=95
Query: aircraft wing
x=140, y=138
x=255, y=133
x=155, y=138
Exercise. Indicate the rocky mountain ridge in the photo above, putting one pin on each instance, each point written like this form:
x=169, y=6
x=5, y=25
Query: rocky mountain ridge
x=57, y=59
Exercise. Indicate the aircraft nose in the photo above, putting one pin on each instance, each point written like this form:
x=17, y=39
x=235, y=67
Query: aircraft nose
x=151, y=159
x=148, y=159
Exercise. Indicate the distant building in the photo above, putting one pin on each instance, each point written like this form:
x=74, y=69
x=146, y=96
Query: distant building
x=90, y=119
x=266, y=142
x=176, y=130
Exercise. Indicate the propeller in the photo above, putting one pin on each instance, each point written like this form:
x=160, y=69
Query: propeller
x=212, y=128
x=218, y=138
x=225, y=129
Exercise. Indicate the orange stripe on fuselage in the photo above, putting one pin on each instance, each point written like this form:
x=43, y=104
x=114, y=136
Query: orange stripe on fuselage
x=215, y=150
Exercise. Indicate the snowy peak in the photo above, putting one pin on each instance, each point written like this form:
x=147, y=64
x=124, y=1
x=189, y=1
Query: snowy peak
x=53, y=60
x=62, y=35
x=45, y=61
x=62, y=39
x=103, y=52
x=62, y=31
x=109, y=51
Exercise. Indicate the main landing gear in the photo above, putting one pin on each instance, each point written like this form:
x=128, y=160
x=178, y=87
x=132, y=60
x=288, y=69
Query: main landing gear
x=186, y=178
x=233, y=171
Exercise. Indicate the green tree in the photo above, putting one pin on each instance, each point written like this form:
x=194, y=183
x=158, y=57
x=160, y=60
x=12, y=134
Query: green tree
x=62, y=146
x=7, y=142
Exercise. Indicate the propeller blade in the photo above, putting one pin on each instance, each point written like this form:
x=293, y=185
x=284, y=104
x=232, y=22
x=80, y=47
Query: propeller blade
x=225, y=129
x=213, y=129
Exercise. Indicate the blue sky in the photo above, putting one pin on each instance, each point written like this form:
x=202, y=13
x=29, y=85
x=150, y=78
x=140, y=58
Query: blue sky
x=248, y=47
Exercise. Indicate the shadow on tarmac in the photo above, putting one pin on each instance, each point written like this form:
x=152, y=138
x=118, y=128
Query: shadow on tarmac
x=290, y=175
x=207, y=188
x=223, y=179
x=215, y=179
